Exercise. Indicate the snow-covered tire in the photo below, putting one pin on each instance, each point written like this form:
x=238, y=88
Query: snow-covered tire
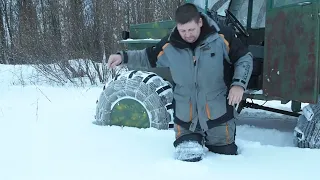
x=307, y=130
x=148, y=95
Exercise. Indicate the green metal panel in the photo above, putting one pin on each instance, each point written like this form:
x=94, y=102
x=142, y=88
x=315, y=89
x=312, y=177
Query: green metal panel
x=148, y=34
x=139, y=46
x=135, y=44
x=154, y=30
x=291, y=65
x=283, y=3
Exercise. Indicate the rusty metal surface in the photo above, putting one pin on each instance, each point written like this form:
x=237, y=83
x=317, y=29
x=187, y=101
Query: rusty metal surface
x=291, y=49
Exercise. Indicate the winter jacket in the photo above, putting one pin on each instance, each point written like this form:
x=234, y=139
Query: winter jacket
x=202, y=74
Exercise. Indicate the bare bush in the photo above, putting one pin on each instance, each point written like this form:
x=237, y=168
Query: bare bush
x=77, y=72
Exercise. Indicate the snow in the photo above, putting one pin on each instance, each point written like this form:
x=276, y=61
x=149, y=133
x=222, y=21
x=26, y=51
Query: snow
x=46, y=133
x=149, y=40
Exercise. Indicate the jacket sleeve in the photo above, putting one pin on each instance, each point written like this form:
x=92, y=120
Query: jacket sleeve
x=145, y=58
x=239, y=56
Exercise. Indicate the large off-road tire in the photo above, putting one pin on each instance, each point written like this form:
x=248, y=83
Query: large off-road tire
x=307, y=130
x=136, y=99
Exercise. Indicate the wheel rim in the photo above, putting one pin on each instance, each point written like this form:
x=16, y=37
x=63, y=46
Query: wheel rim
x=131, y=113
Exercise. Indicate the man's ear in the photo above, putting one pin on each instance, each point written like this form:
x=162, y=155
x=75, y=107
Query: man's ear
x=200, y=22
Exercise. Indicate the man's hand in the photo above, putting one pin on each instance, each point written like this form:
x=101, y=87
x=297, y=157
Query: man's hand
x=114, y=60
x=235, y=95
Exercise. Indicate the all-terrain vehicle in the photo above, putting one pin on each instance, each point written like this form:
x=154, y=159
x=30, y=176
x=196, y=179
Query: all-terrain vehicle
x=283, y=36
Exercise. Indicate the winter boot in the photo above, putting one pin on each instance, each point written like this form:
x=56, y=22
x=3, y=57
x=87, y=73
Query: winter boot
x=189, y=148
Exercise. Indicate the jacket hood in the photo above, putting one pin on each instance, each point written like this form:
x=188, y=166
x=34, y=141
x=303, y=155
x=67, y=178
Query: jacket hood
x=209, y=27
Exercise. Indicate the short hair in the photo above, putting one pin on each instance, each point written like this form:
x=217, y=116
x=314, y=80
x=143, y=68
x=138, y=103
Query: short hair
x=186, y=13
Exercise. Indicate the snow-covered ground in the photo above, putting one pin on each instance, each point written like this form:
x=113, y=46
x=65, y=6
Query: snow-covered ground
x=46, y=133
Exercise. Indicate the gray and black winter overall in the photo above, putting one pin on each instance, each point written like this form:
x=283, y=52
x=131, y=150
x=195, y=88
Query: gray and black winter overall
x=203, y=73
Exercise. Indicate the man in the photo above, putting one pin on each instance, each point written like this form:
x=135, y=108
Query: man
x=200, y=56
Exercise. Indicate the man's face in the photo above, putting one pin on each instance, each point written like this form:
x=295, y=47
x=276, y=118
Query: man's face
x=190, y=31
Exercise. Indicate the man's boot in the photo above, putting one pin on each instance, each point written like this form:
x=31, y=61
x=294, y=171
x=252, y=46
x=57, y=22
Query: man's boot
x=189, y=148
x=230, y=149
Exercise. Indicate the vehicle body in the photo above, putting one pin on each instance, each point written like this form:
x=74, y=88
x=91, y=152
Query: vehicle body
x=283, y=36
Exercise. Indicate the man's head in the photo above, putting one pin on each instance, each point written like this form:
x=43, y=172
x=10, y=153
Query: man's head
x=189, y=22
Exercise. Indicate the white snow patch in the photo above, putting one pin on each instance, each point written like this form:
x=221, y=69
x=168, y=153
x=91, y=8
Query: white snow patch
x=46, y=133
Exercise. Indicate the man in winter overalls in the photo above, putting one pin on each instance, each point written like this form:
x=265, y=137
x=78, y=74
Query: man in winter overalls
x=199, y=55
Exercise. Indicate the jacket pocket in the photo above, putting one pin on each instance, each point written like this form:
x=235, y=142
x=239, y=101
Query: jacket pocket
x=184, y=109
x=216, y=104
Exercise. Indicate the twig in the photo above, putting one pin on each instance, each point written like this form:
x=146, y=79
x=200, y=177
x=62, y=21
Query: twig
x=1, y=112
x=165, y=9
x=41, y=92
x=37, y=110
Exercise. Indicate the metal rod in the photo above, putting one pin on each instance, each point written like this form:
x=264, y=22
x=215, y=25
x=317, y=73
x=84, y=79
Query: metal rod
x=206, y=7
x=257, y=106
x=249, y=18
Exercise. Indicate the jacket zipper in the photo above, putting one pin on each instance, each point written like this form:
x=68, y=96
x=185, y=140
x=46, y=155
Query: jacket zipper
x=195, y=72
